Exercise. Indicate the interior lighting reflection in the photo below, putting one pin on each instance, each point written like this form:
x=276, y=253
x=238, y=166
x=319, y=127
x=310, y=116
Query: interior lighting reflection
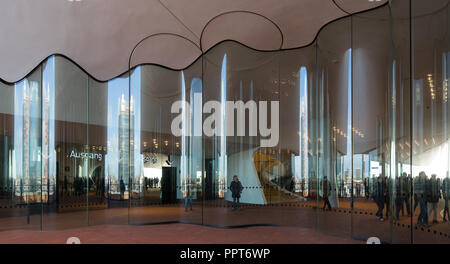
x=433, y=161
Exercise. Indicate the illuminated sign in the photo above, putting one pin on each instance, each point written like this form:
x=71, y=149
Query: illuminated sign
x=85, y=155
x=153, y=160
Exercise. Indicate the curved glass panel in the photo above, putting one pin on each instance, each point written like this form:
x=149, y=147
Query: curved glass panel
x=380, y=130
x=243, y=158
x=429, y=111
x=108, y=139
x=21, y=153
x=332, y=125
x=166, y=144
x=65, y=143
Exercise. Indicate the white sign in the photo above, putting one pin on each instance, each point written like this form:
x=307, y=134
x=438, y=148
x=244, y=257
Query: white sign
x=85, y=155
x=153, y=160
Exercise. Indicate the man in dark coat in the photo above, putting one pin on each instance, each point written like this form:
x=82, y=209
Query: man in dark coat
x=380, y=196
x=188, y=194
x=420, y=188
x=446, y=195
x=236, y=190
x=326, y=189
x=402, y=188
x=122, y=189
x=433, y=196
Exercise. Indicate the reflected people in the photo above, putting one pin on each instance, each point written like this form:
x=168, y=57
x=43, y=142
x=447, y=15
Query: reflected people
x=420, y=189
x=122, y=189
x=380, y=194
x=326, y=189
x=445, y=195
x=236, y=190
x=403, y=187
x=188, y=195
x=433, y=196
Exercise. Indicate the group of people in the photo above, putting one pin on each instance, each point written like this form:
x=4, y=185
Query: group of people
x=79, y=184
x=74, y=186
x=235, y=188
x=426, y=194
x=150, y=183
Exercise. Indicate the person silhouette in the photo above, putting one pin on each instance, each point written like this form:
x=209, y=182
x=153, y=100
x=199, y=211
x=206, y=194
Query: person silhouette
x=188, y=195
x=236, y=190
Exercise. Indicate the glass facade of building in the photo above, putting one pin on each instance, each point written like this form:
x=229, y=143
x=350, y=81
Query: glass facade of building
x=363, y=118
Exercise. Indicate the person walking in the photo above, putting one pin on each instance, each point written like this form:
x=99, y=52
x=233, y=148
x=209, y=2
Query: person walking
x=446, y=195
x=100, y=187
x=188, y=196
x=416, y=197
x=380, y=196
x=398, y=198
x=402, y=196
x=236, y=190
x=420, y=189
x=407, y=189
x=433, y=194
x=326, y=189
x=387, y=196
x=366, y=188
x=122, y=189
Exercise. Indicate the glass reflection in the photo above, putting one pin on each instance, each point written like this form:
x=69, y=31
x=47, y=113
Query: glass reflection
x=359, y=137
x=300, y=162
x=27, y=148
x=223, y=164
x=49, y=156
x=124, y=164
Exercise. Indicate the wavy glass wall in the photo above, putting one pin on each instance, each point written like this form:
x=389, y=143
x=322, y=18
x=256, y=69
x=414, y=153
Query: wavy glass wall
x=348, y=136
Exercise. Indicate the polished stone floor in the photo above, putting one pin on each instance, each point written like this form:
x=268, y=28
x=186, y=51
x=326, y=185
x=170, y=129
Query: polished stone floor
x=339, y=223
x=174, y=234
